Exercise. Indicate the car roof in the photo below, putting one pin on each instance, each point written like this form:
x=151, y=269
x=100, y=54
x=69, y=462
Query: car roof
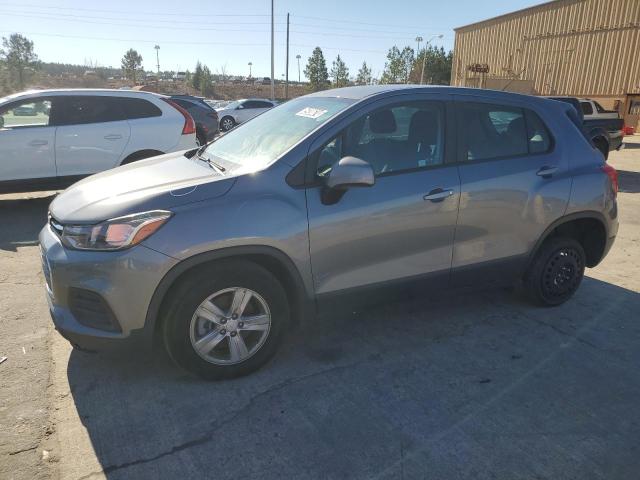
x=365, y=91
x=82, y=91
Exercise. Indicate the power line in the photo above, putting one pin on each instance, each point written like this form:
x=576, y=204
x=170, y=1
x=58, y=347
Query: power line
x=147, y=24
x=168, y=42
x=129, y=12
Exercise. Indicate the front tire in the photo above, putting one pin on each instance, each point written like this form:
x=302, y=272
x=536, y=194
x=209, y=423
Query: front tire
x=226, y=320
x=556, y=272
x=227, y=123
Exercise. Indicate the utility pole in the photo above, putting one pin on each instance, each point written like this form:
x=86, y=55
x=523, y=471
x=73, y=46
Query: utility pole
x=298, y=57
x=273, y=85
x=250, y=68
x=286, y=78
x=157, y=47
x=424, y=57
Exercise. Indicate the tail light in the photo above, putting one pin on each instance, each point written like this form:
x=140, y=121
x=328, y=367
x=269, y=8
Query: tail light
x=189, y=125
x=612, y=173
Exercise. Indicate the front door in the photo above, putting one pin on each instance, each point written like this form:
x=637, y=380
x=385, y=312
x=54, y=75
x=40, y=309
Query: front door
x=400, y=228
x=514, y=184
x=27, y=141
x=632, y=112
x=91, y=136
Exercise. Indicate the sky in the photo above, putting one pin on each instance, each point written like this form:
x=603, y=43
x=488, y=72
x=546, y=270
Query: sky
x=228, y=35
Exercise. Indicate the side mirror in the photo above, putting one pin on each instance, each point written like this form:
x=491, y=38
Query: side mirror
x=240, y=107
x=346, y=173
x=350, y=172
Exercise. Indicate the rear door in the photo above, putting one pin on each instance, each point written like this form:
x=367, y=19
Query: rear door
x=27, y=140
x=402, y=227
x=514, y=183
x=91, y=136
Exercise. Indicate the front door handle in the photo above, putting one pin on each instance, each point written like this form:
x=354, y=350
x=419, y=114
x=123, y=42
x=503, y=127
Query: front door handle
x=113, y=137
x=546, y=171
x=38, y=143
x=438, y=195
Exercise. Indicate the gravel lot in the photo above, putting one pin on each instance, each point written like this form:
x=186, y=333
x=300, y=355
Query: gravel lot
x=471, y=385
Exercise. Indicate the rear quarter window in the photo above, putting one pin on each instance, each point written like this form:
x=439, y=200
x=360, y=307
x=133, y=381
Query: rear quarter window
x=139, y=108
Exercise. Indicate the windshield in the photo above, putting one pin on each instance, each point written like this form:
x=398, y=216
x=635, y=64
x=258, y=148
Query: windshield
x=265, y=138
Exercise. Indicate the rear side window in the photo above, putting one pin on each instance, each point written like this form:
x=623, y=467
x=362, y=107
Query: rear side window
x=599, y=107
x=587, y=109
x=139, y=108
x=184, y=103
x=538, y=136
x=491, y=131
x=498, y=131
x=81, y=110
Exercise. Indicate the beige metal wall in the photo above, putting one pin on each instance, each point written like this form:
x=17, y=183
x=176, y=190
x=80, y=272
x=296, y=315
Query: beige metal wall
x=565, y=47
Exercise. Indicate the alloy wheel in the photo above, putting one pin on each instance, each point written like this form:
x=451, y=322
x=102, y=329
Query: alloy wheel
x=230, y=326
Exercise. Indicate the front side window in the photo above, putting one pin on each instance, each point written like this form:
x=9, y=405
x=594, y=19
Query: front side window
x=394, y=139
x=256, y=144
x=587, y=109
x=26, y=113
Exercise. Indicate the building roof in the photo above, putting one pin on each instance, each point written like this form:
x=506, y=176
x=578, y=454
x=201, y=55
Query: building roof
x=516, y=13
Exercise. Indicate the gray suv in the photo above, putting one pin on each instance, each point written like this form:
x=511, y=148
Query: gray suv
x=217, y=252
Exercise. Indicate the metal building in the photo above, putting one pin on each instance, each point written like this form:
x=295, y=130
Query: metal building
x=582, y=48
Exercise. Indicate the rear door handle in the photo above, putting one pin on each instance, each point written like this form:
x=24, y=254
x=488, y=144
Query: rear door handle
x=546, y=172
x=113, y=137
x=438, y=195
x=38, y=143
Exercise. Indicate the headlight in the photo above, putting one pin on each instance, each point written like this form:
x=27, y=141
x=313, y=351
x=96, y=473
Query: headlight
x=115, y=234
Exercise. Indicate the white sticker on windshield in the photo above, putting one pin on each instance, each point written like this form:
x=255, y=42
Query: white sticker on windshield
x=311, y=112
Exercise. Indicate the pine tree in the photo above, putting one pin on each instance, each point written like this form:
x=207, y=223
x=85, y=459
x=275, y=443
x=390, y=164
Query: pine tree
x=316, y=70
x=17, y=53
x=131, y=61
x=364, y=75
x=339, y=72
x=196, y=76
x=398, y=66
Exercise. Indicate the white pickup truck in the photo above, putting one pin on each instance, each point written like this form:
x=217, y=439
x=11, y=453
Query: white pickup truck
x=592, y=110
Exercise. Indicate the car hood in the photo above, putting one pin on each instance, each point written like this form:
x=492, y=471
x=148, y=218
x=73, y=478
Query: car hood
x=158, y=183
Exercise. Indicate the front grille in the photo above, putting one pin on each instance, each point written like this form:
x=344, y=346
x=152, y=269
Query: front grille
x=91, y=310
x=55, y=226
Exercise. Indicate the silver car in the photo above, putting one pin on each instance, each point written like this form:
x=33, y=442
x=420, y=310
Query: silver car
x=242, y=110
x=349, y=194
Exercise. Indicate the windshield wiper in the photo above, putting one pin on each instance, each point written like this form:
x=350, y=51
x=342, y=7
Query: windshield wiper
x=210, y=162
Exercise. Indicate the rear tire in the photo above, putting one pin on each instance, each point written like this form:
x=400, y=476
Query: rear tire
x=556, y=272
x=188, y=335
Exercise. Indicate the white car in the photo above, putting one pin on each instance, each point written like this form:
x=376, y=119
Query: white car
x=49, y=139
x=592, y=110
x=241, y=111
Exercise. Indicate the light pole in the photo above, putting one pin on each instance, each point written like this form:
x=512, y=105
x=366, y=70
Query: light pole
x=424, y=57
x=249, y=69
x=157, y=47
x=298, y=57
x=273, y=87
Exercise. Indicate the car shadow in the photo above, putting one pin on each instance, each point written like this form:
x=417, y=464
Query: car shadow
x=462, y=383
x=631, y=146
x=22, y=219
x=629, y=182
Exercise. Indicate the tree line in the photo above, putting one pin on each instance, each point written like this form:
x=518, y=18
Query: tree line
x=431, y=65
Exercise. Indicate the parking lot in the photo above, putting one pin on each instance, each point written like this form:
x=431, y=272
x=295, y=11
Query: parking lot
x=468, y=385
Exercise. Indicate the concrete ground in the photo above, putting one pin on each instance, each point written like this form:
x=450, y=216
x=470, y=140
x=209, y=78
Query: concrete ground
x=470, y=385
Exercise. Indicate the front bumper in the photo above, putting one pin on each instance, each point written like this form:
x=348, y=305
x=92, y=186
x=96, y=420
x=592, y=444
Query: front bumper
x=125, y=281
